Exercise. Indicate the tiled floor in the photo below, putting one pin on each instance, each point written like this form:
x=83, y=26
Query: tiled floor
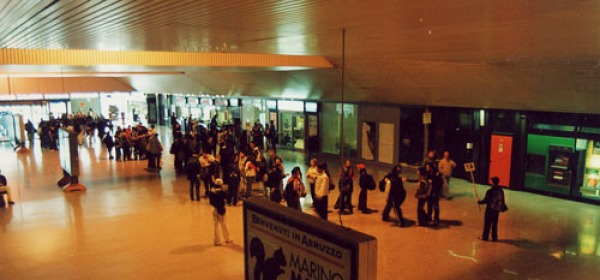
x=131, y=224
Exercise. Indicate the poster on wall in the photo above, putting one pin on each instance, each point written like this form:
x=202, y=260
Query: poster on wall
x=369, y=140
x=386, y=142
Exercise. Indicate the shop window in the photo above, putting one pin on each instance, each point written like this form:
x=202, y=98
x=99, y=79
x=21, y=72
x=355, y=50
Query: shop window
x=535, y=164
x=331, y=123
x=554, y=127
x=540, y=159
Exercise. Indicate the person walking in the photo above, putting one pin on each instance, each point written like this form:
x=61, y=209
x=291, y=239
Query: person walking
x=445, y=166
x=494, y=201
x=217, y=200
x=396, y=195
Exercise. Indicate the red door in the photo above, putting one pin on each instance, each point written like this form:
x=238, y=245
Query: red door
x=500, y=155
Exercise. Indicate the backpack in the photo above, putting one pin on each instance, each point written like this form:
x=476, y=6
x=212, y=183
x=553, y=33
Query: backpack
x=370, y=182
x=382, y=184
x=497, y=203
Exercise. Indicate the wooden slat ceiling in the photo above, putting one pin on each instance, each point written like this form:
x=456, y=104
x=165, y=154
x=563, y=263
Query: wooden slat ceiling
x=534, y=55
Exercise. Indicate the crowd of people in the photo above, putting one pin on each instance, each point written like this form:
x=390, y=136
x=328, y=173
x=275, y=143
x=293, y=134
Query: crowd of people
x=214, y=157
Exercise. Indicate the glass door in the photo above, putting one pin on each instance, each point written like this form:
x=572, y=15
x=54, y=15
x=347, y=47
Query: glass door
x=292, y=131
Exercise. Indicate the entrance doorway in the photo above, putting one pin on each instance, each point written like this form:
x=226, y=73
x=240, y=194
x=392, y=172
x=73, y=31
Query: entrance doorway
x=500, y=158
x=291, y=130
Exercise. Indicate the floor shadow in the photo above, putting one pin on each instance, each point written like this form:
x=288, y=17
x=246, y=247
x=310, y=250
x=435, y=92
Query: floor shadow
x=446, y=224
x=235, y=247
x=192, y=249
x=522, y=243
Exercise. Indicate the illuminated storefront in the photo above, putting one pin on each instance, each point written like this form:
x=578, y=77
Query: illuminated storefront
x=564, y=158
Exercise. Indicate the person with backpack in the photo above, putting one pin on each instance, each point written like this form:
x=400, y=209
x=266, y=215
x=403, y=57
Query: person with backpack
x=217, y=200
x=366, y=183
x=494, y=201
x=192, y=169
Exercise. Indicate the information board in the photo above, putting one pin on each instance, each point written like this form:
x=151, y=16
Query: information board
x=284, y=243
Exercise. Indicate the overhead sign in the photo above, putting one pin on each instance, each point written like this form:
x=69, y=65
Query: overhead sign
x=283, y=243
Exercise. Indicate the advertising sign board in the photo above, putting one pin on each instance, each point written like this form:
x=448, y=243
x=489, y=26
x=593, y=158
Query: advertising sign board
x=283, y=243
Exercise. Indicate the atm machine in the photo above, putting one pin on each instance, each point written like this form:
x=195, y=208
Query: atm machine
x=564, y=167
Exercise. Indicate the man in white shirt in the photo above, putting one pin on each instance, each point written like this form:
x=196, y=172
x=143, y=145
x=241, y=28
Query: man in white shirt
x=445, y=167
x=321, y=192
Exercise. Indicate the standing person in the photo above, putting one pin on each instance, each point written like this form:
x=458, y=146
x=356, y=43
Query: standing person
x=422, y=194
x=109, y=143
x=233, y=186
x=274, y=137
x=206, y=161
x=227, y=152
x=321, y=191
x=274, y=181
x=4, y=187
x=118, y=145
x=30, y=128
x=433, y=200
x=155, y=149
x=217, y=200
x=294, y=189
x=494, y=201
x=242, y=165
x=178, y=150
x=430, y=160
x=396, y=194
x=346, y=187
x=251, y=172
x=311, y=175
x=192, y=169
x=445, y=166
x=366, y=183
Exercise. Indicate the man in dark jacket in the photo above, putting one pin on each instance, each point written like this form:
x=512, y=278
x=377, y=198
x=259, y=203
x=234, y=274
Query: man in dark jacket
x=396, y=194
x=193, y=173
x=494, y=200
x=433, y=200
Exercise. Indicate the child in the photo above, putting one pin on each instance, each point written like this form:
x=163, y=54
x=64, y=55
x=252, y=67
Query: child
x=217, y=200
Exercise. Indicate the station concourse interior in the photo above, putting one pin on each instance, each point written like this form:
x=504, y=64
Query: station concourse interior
x=131, y=224
x=509, y=86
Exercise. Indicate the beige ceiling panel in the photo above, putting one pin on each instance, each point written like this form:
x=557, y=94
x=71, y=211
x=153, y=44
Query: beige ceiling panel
x=63, y=85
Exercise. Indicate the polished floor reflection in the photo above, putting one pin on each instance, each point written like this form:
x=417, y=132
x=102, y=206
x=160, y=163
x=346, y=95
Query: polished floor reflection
x=131, y=224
